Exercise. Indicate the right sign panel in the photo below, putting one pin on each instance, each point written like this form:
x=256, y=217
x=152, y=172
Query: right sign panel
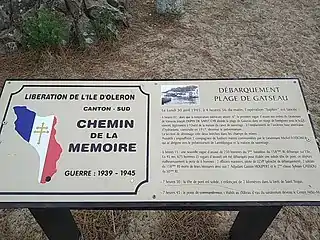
x=237, y=140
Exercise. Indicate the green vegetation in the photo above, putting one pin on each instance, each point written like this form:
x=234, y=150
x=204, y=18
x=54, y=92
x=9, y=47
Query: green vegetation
x=43, y=29
x=106, y=26
x=47, y=29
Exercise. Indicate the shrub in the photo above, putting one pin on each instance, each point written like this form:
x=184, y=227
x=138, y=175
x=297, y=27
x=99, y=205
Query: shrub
x=44, y=28
x=105, y=26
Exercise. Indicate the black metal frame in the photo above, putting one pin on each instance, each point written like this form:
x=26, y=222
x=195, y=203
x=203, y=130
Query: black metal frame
x=156, y=204
x=250, y=224
x=253, y=219
x=214, y=206
x=57, y=224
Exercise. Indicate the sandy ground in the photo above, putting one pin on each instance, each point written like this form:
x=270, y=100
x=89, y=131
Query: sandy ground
x=213, y=39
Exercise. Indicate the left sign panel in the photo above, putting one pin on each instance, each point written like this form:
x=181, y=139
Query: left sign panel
x=64, y=133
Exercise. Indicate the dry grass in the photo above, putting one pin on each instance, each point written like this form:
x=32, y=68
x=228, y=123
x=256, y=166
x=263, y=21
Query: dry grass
x=125, y=225
x=94, y=225
x=295, y=223
x=97, y=225
x=186, y=225
x=221, y=38
x=19, y=225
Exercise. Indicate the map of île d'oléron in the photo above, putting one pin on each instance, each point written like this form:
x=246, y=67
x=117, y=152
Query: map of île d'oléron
x=40, y=133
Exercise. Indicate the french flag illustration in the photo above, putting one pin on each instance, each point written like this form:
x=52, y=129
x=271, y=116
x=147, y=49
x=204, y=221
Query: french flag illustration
x=40, y=133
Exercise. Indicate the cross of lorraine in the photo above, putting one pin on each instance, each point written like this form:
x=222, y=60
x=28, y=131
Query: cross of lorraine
x=41, y=130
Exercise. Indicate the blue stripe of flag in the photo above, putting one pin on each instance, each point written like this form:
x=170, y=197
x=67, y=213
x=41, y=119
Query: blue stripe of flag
x=24, y=122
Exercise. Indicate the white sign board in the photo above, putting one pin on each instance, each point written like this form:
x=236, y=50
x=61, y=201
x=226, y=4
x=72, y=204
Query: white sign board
x=157, y=141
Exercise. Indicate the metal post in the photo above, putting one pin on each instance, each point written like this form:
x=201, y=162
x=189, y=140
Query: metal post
x=252, y=222
x=57, y=223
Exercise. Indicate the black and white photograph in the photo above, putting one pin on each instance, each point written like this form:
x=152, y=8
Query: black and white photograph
x=180, y=95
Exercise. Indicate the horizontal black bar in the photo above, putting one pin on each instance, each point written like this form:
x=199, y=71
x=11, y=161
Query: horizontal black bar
x=217, y=206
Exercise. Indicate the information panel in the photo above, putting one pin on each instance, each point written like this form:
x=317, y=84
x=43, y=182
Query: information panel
x=157, y=141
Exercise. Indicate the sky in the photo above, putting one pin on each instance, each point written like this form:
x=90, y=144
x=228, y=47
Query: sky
x=165, y=88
